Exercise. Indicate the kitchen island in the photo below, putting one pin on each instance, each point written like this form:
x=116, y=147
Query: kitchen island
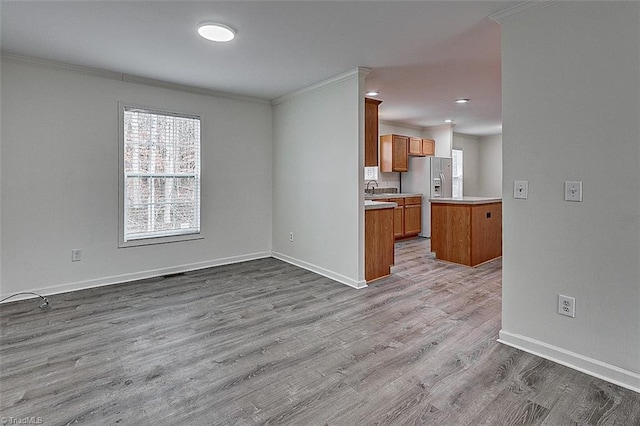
x=378, y=239
x=466, y=230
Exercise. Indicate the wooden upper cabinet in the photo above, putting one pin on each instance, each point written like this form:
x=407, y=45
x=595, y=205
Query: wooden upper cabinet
x=394, y=151
x=428, y=147
x=415, y=146
x=371, y=132
x=419, y=147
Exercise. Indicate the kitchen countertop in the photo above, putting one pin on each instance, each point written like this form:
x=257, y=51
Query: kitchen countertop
x=467, y=200
x=373, y=205
x=391, y=195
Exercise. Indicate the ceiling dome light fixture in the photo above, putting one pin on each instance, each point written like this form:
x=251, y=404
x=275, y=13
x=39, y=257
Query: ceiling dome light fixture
x=448, y=120
x=461, y=101
x=216, y=32
x=372, y=93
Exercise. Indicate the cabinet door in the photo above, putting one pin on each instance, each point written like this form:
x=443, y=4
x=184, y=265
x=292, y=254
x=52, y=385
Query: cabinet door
x=428, y=147
x=398, y=217
x=400, y=152
x=386, y=153
x=371, y=132
x=393, y=153
x=412, y=219
x=378, y=243
x=415, y=147
x=398, y=222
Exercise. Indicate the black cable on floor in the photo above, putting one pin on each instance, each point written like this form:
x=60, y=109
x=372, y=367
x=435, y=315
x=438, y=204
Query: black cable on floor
x=45, y=303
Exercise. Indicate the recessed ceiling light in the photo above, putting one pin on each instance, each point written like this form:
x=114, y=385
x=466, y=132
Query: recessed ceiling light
x=448, y=120
x=372, y=93
x=216, y=32
x=461, y=101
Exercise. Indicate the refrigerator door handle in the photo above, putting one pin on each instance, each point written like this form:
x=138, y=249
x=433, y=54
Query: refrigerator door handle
x=443, y=185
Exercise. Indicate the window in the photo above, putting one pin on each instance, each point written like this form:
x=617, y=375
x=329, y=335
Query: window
x=371, y=173
x=159, y=176
x=457, y=166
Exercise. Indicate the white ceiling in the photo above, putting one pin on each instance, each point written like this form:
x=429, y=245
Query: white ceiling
x=423, y=54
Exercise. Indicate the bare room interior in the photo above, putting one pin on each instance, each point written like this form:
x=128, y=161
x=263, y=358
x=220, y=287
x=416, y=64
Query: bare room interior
x=252, y=230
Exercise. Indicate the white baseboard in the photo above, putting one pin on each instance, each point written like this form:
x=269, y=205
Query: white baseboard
x=118, y=279
x=610, y=373
x=318, y=270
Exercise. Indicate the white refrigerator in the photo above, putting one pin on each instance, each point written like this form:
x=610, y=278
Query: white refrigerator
x=431, y=177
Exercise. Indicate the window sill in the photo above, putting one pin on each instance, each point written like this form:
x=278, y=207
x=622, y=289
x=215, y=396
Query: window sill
x=160, y=240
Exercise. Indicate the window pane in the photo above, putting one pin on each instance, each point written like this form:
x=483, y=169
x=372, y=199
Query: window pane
x=138, y=219
x=371, y=173
x=457, y=166
x=138, y=190
x=186, y=189
x=184, y=216
x=162, y=174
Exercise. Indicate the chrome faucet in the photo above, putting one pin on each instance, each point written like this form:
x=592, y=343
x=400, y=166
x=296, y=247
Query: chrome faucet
x=370, y=191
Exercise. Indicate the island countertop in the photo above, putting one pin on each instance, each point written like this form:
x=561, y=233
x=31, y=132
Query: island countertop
x=467, y=200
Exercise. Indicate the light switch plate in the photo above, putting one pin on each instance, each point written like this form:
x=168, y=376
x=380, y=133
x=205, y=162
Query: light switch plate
x=573, y=191
x=521, y=189
x=76, y=255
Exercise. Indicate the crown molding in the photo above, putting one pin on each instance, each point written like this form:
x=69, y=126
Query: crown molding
x=400, y=124
x=450, y=126
x=466, y=135
x=32, y=60
x=519, y=10
x=128, y=78
x=360, y=72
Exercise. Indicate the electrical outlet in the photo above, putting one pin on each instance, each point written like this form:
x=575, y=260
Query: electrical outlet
x=76, y=255
x=567, y=306
x=291, y=236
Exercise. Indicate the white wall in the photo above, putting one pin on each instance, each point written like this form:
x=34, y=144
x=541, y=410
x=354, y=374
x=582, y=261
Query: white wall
x=482, y=159
x=471, y=166
x=443, y=135
x=1, y=257
x=318, y=154
x=490, y=166
x=571, y=103
x=60, y=180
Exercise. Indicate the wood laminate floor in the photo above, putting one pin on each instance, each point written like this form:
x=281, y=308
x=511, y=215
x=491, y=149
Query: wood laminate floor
x=265, y=342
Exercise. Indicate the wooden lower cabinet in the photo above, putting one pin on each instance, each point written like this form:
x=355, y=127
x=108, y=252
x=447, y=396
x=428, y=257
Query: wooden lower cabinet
x=469, y=234
x=398, y=222
x=378, y=243
x=412, y=220
x=398, y=217
x=407, y=217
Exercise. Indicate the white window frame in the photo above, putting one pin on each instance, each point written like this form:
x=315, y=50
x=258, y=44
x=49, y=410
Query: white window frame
x=457, y=179
x=151, y=239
